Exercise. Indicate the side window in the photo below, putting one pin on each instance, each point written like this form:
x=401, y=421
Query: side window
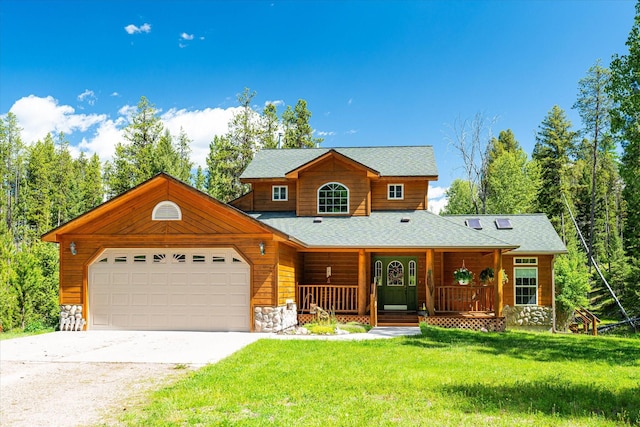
x=395, y=192
x=279, y=193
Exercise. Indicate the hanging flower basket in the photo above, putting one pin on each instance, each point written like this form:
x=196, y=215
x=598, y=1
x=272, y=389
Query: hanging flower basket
x=463, y=276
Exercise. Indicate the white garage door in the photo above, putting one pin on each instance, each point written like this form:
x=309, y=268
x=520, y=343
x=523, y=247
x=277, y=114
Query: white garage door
x=169, y=289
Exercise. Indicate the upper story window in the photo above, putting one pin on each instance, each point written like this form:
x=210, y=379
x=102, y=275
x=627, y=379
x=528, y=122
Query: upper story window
x=395, y=191
x=333, y=198
x=166, y=211
x=279, y=193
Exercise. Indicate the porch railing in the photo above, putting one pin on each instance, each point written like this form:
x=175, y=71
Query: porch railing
x=340, y=299
x=464, y=298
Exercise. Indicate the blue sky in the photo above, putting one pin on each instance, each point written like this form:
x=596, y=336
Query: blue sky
x=372, y=72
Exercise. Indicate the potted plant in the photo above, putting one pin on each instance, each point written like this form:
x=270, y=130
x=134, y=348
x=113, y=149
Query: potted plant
x=486, y=275
x=463, y=276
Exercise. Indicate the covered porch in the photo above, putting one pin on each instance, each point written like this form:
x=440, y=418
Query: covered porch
x=383, y=287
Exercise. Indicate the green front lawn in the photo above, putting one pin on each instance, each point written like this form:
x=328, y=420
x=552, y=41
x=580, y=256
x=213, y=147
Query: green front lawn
x=441, y=378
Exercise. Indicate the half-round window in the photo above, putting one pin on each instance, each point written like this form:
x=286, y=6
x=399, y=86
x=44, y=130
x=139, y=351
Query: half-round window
x=333, y=198
x=166, y=211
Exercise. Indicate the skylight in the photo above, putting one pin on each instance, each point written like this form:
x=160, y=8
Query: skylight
x=504, y=224
x=473, y=223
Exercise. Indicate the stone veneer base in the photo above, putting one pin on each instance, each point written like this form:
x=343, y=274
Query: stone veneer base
x=275, y=319
x=71, y=317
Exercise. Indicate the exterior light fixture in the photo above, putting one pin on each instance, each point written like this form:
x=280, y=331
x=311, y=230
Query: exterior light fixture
x=72, y=248
x=261, y=245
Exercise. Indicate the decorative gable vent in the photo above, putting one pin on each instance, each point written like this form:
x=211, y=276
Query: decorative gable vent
x=166, y=211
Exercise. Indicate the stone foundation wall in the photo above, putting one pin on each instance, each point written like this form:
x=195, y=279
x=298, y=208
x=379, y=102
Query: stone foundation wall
x=275, y=319
x=528, y=316
x=71, y=318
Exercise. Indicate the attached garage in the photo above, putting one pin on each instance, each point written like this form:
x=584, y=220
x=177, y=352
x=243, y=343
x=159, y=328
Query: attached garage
x=170, y=289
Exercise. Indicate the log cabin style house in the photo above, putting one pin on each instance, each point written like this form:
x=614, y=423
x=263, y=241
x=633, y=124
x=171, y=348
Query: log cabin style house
x=346, y=229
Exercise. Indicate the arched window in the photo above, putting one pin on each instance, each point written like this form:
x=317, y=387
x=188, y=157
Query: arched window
x=395, y=274
x=166, y=211
x=333, y=198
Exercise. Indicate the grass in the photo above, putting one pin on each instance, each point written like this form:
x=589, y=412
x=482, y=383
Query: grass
x=442, y=377
x=19, y=333
x=329, y=328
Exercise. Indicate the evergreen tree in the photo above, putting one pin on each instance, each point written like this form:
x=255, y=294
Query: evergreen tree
x=200, y=179
x=593, y=105
x=40, y=182
x=270, y=125
x=297, y=130
x=554, y=150
x=624, y=89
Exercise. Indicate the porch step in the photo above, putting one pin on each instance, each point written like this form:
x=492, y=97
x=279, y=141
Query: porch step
x=398, y=318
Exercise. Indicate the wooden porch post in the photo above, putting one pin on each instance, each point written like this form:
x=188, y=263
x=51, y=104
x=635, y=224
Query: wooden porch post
x=363, y=289
x=429, y=282
x=497, y=267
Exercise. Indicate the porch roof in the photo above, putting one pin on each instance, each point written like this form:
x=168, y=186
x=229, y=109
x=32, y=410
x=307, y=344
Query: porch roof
x=416, y=161
x=533, y=233
x=388, y=229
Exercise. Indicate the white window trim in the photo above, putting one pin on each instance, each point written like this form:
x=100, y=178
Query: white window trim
x=523, y=261
x=395, y=185
x=159, y=206
x=515, y=285
x=279, y=187
x=332, y=213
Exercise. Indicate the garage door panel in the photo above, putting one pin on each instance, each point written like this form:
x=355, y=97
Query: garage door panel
x=136, y=289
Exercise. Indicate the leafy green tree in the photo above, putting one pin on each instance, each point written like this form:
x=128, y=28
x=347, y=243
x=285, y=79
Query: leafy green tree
x=298, y=133
x=571, y=282
x=511, y=181
x=459, y=198
x=624, y=89
x=27, y=285
x=183, y=166
x=554, y=151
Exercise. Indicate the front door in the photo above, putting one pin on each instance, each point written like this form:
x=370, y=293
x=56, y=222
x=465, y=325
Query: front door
x=396, y=278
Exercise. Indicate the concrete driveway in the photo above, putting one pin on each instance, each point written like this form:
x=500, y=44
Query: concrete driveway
x=88, y=378
x=189, y=348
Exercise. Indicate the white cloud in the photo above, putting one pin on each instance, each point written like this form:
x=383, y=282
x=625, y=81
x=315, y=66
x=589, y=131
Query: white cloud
x=40, y=116
x=323, y=133
x=88, y=96
x=277, y=102
x=182, y=46
x=351, y=131
x=104, y=140
x=350, y=101
x=437, y=198
x=186, y=36
x=200, y=126
x=115, y=94
x=132, y=29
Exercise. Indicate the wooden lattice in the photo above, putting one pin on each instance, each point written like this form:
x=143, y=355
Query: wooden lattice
x=343, y=318
x=496, y=324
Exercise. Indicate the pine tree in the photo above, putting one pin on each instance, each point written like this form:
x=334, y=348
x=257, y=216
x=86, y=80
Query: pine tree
x=298, y=133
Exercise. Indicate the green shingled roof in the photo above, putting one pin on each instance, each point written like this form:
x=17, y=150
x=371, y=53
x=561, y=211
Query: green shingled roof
x=381, y=230
x=388, y=161
x=533, y=233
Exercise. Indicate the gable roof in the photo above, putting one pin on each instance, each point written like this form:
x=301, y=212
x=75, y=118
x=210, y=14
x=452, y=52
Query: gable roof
x=533, y=233
x=162, y=184
x=383, y=229
x=414, y=161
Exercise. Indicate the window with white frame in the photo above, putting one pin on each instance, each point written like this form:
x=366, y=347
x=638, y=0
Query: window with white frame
x=395, y=191
x=412, y=273
x=279, y=193
x=526, y=285
x=377, y=273
x=333, y=198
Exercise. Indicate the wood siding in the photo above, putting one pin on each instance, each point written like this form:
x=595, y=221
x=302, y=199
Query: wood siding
x=262, y=199
x=127, y=223
x=415, y=195
x=344, y=268
x=476, y=262
x=287, y=273
x=333, y=170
